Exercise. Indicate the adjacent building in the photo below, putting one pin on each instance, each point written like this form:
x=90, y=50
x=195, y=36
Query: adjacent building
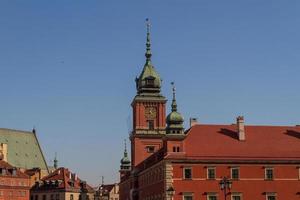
x=14, y=185
x=206, y=161
x=21, y=149
x=107, y=192
x=62, y=184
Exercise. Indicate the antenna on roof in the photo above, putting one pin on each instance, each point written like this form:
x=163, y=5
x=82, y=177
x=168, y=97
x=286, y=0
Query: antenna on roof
x=102, y=180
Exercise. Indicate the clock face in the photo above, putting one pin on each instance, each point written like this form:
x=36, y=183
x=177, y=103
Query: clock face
x=150, y=112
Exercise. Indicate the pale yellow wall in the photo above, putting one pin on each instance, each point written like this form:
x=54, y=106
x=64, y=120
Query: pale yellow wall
x=48, y=195
x=3, y=151
x=114, y=193
x=75, y=195
x=64, y=195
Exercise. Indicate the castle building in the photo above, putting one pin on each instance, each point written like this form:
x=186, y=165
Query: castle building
x=61, y=184
x=206, y=161
x=14, y=184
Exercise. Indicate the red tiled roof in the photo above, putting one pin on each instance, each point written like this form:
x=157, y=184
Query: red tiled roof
x=262, y=142
x=66, y=180
x=9, y=168
x=32, y=171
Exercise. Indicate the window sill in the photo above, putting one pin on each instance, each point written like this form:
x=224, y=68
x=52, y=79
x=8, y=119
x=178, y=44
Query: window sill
x=211, y=179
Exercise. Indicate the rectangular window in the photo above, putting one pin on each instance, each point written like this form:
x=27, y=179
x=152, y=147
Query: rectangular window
x=71, y=197
x=271, y=196
x=57, y=197
x=187, y=172
x=150, y=124
x=269, y=173
x=235, y=173
x=211, y=173
x=176, y=149
x=212, y=197
x=36, y=197
x=44, y=197
x=187, y=196
x=236, y=196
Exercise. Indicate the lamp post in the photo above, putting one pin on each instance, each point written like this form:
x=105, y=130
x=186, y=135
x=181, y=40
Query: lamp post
x=225, y=185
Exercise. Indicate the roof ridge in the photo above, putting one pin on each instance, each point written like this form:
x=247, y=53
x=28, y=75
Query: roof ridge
x=250, y=125
x=9, y=129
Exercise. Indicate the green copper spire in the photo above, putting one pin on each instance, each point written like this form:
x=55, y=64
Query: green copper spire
x=174, y=104
x=174, y=119
x=149, y=82
x=125, y=162
x=125, y=149
x=55, y=161
x=148, y=53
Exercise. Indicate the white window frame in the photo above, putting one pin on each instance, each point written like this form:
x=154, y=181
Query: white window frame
x=187, y=194
x=236, y=194
x=207, y=174
x=212, y=194
x=268, y=194
x=266, y=169
x=232, y=168
x=184, y=168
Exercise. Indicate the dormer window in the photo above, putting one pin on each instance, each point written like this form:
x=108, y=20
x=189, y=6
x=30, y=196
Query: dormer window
x=3, y=172
x=14, y=172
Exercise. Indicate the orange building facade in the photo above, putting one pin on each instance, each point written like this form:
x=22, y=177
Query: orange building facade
x=14, y=185
x=204, y=162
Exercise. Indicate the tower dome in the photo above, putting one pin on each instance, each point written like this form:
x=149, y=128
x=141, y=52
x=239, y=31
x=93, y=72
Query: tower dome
x=174, y=119
x=125, y=161
x=149, y=81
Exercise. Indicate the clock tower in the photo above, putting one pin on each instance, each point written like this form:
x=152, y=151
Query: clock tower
x=149, y=111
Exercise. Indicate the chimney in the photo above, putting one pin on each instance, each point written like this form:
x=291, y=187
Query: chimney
x=193, y=121
x=3, y=152
x=241, y=128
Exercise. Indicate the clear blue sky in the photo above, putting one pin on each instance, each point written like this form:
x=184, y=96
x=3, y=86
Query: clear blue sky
x=68, y=68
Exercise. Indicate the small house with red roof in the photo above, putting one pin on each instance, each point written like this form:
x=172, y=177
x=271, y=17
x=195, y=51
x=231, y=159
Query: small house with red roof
x=62, y=184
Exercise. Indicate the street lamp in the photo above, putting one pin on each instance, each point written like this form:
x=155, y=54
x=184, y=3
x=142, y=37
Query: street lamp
x=225, y=184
